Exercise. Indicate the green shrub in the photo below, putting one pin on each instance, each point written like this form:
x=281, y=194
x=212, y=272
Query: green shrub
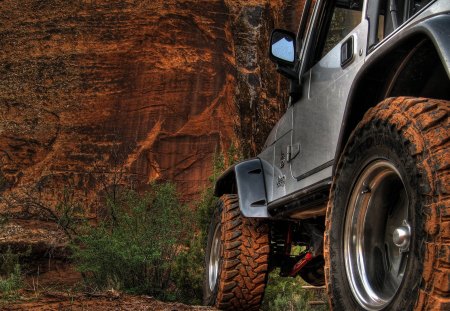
x=286, y=293
x=11, y=282
x=10, y=275
x=136, y=246
x=189, y=272
x=151, y=243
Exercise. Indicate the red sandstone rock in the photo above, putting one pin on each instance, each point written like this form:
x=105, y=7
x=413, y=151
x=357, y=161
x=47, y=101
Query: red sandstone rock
x=131, y=91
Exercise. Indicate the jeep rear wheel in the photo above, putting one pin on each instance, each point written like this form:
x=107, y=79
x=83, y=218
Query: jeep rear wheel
x=387, y=239
x=236, y=258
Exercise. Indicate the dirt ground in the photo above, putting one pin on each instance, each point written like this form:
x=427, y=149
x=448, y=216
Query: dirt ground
x=58, y=286
x=100, y=302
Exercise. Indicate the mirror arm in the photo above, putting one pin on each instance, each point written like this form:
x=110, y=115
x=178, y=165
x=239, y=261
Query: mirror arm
x=294, y=91
x=287, y=72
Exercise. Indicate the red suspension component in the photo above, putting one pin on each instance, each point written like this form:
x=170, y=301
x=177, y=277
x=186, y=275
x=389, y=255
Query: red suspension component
x=300, y=264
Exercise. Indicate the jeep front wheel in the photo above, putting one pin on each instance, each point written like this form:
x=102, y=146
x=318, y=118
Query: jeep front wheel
x=387, y=238
x=236, y=258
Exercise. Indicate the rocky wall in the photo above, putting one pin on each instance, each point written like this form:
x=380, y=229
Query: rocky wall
x=100, y=93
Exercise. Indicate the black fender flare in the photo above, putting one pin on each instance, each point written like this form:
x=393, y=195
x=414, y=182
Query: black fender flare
x=246, y=179
x=436, y=29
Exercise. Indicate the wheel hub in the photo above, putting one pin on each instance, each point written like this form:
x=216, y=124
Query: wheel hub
x=377, y=235
x=401, y=236
x=214, y=259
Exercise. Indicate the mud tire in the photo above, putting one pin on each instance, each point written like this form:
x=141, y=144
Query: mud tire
x=413, y=135
x=243, y=268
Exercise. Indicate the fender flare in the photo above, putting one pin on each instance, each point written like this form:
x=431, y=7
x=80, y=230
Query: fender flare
x=246, y=179
x=435, y=29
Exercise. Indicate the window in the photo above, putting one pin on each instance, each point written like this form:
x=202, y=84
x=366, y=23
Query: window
x=336, y=22
x=393, y=13
x=342, y=23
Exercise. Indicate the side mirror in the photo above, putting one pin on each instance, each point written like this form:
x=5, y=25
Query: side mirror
x=282, y=47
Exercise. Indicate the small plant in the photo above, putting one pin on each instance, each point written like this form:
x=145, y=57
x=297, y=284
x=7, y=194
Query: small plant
x=12, y=282
x=67, y=212
x=10, y=275
x=136, y=246
x=189, y=272
x=288, y=294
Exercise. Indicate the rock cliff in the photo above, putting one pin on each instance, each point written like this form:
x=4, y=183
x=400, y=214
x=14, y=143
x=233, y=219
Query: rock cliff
x=95, y=93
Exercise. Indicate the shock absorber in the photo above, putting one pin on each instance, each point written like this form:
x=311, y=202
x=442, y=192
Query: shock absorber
x=301, y=263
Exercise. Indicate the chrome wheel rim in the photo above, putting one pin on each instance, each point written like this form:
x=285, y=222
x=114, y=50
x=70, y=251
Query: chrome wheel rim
x=214, y=258
x=377, y=234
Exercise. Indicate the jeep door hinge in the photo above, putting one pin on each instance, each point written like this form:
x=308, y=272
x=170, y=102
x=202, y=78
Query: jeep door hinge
x=292, y=152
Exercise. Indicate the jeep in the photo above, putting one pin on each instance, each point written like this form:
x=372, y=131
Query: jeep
x=356, y=172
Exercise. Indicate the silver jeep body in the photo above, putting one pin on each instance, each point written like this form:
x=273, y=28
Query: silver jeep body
x=292, y=175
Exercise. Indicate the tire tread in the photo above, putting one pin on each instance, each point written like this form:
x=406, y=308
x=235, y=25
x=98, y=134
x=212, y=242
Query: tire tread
x=424, y=123
x=246, y=252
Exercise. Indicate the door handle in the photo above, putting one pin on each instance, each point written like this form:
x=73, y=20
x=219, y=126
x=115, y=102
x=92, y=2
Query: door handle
x=347, y=51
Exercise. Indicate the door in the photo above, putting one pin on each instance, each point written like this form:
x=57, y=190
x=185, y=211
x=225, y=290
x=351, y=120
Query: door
x=335, y=54
x=282, y=174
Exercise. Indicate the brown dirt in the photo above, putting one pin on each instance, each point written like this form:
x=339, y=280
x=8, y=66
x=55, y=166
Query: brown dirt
x=52, y=283
x=107, y=301
x=58, y=286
